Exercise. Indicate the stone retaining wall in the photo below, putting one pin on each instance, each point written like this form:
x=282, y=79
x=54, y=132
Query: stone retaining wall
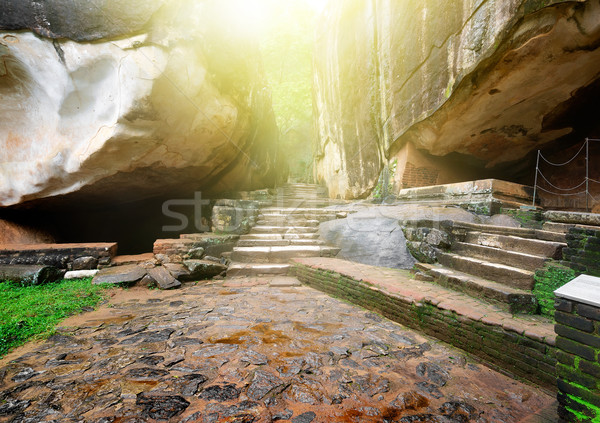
x=57, y=255
x=583, y=252
x=524, y=355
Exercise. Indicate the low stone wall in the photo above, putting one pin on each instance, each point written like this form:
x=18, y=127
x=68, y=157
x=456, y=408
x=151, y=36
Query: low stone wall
x=57, y=255
x=175, y=250
x=525, y=354
x=583, y=252
x=578, y=350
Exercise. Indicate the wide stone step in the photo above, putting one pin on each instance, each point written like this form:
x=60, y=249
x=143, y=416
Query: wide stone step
x=510, y=299
x=280, y=236
x=536, y=247
x=280, y=254
x=284, y=229
x=283, y=221
x=509, y=231
x=499, y=255
x=299, y=210
x=264, y=242
x=507, y=275
x=254, y=269
x=278, y=242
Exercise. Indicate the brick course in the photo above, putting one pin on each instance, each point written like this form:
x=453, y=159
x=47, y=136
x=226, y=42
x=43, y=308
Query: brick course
x=578, y=368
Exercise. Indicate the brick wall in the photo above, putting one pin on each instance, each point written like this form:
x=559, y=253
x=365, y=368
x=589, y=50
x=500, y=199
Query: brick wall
x=419, y=176
x=583, y=252
x=578, y=354
x=519, y=354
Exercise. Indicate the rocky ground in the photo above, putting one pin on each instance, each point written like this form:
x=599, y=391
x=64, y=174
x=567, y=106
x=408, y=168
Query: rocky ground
x=251, y=351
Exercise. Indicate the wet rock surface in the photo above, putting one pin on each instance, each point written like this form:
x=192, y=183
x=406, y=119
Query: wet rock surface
x=225, y=352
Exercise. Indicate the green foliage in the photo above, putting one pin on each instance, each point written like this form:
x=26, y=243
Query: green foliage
x=287, y=51
x=386, y=181
x=548, y=280
x=34, y=311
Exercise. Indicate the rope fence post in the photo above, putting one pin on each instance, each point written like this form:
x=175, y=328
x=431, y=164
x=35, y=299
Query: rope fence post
x=537, y=167
x=587, y=175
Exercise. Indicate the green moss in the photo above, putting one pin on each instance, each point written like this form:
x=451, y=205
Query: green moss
x=548, y=280
x=527, y=218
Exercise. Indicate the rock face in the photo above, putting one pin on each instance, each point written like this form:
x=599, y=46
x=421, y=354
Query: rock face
x=450, y=91
x=128, y=101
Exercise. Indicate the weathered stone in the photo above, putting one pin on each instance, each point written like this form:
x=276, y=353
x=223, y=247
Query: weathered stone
x=85, y=263
x=369, y=237
x=234, y=216
x=80, y=274
x=262, y=384
x=161, y=407
x=203, y=269
x=433, y=372
x=592, y=219
x=30, y=274
x=254, y=357
x=221, y=393
x=163, y=278
x=196, y=253
x=417, y=81
x=108, y=142
x=179, y=271
x=128, y=274
x=16, y=233
x=307, y=417
x=410, y=400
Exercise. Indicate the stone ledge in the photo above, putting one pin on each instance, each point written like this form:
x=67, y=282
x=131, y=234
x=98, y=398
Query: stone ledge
x=584, y=289
x=521, y=346
x=58, y=255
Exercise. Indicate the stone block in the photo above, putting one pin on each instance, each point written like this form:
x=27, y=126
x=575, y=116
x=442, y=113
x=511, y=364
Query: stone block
x=574, y=321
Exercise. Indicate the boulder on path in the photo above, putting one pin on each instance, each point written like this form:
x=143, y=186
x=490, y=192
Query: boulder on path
x=128, y=274
x=30, y=274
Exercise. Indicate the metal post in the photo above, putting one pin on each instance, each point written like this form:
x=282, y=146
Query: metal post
x=537, y=166
x=587, y=175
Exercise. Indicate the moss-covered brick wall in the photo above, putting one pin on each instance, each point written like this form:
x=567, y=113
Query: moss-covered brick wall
x=578, y=367
x=583, y=252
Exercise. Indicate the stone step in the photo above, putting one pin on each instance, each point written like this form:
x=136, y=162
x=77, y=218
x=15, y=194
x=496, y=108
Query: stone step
x=565, y=227
x=282, y=221
x=510, y=299
x=280, y=236
x=263, y=242
x=500, y=256
x=278, y=242
x=299, y=210
x=280, y=254
x=506, y=275
x=254, y=269
x=509, y=231
x=283, y=229
x=518, y=244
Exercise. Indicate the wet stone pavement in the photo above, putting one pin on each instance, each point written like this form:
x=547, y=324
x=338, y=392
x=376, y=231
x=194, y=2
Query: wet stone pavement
x=250, y=352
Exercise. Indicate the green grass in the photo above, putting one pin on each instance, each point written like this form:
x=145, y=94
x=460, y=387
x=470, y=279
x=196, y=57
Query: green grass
x=32, y=312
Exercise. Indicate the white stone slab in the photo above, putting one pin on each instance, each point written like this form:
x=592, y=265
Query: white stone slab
x=80, y=274
x=584, y=289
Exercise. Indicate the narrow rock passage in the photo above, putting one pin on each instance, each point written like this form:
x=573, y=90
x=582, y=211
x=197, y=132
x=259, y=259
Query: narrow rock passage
x=245, y=351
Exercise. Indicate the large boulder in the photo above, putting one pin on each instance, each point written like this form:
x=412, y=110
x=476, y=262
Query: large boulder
x=114, y=102
x=450, y=91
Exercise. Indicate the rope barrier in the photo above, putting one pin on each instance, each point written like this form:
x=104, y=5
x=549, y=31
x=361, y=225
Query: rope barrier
x=565, y=163
x=561, y=189
x=586, y=180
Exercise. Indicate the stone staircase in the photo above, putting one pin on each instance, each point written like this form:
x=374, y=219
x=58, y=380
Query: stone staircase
x=496, y=264
x=285, y=229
